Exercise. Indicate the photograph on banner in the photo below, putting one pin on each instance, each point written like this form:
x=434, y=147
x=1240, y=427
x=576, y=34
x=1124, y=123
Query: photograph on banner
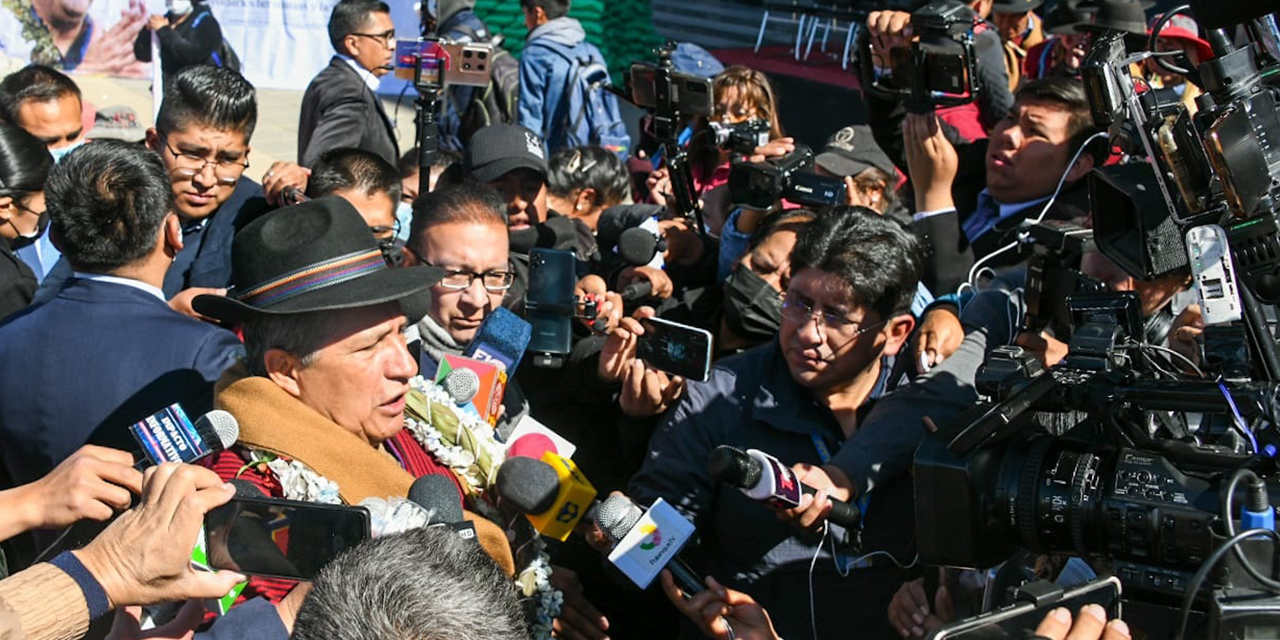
x=275, y=43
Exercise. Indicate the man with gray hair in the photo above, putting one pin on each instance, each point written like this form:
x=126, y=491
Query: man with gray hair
x=423, y=584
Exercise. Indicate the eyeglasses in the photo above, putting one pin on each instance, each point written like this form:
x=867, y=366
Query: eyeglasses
x=493, y=281
x=390, y=232
x=797, y=310
x=387, y=38
x=189, y=166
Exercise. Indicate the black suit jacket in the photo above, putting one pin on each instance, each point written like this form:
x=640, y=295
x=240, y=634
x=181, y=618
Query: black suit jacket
x=339, y=110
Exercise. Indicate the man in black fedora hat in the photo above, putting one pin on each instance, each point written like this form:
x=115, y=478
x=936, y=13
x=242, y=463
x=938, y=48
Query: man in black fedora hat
x=326, y=375
x=1020, y=29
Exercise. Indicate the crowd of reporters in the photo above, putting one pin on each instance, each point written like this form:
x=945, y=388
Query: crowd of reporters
x=136, y=276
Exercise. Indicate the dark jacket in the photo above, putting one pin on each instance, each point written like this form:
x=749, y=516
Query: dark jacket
x=751, y=401
x=196, y=40
x=17, y=282
x=205, y=259
x=96, y=358
x=339, y=110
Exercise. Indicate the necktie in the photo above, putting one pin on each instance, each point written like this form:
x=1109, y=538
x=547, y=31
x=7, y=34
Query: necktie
x=985, y=216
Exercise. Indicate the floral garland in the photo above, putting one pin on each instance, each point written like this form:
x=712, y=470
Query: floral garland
x=43, y=51
x=469, y=446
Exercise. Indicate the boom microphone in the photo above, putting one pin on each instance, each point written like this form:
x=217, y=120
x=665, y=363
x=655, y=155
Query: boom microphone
x=618, y=517
x=761, y=476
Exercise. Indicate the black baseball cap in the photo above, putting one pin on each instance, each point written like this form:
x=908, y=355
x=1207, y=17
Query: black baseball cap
x=851, y=151
x=499, y=149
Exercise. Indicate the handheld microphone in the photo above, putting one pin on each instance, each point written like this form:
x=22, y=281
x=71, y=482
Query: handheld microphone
x=761, y=476
x=551, y=492
x=166, y=436
x=501, y=339
x=636, y=291
x=638, y=246
x=647, y=542
x=293, y=195
x=169, y=436
x=474, y=385
x=439, y=497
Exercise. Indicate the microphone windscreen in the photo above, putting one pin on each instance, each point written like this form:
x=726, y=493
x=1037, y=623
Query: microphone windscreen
x=529, y=484
x=617, y=515
x=734, y=467
x=502, y=337
x=462, y=385
x=439, y=496
x=218, y=429
x=531, y=445
x=637, y=246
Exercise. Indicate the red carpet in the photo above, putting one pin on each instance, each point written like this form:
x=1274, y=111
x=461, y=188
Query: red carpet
x=823, y=67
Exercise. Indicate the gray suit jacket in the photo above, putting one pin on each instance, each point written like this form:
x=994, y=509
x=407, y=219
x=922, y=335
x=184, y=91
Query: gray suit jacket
x=339, y=110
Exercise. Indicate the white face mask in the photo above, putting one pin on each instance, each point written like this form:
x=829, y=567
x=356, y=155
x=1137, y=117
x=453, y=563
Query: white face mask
x=404, y=215
x=178, y=7
x=61, y=152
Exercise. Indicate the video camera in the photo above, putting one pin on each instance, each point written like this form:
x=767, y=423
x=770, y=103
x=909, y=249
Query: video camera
x=758, y=185
x=1121, y=454
x=938, y=68
x=740, y=139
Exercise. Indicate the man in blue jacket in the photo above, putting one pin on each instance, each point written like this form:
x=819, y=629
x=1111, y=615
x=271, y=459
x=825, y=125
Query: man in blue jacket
x=546, y=84
x=107, y=350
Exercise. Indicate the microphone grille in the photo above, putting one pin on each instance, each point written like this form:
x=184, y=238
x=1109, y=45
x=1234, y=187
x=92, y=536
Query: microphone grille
x=529, y=484
x=462, y=385
x=224, y=426
x=439, y=496
x=637, y=246
x=617, y=515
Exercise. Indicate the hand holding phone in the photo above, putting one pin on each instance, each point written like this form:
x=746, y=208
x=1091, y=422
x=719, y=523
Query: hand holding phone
x=281, y=538
x=675, y=348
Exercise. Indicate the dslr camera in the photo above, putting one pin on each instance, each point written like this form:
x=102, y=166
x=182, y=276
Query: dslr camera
x=937, y=69
x=757, y=185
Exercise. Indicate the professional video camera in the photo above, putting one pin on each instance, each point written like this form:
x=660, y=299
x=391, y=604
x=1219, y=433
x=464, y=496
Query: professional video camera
x=938, y=68
x=1121, y=454
x=758, y=185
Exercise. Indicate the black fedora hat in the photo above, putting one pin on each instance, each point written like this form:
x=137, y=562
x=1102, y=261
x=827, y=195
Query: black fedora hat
x=1118, y=15
x=314, y=256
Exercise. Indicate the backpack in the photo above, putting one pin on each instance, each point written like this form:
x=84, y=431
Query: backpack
x=589, y=112
x=224, y=55
x=466, y=109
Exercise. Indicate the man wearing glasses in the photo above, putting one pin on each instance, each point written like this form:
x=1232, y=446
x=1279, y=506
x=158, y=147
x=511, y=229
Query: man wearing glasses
x=341, y=106
x=202, y=136
x=846, y=314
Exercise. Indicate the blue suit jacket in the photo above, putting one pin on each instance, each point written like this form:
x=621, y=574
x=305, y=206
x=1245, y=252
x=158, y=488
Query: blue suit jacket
x=98, y=357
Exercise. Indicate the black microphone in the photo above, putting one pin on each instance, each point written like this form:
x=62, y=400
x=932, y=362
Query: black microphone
x=618, y=515
x=439, y=497
x=637, y=246
x=636, y=291
x=778, y=485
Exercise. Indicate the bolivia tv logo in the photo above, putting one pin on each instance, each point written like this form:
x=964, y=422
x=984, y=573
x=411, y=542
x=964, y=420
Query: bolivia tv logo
x=654, y=537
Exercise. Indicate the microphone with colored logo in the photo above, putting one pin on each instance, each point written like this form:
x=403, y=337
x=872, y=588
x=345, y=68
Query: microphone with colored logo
x=646, y=542
x=761, y=476
x=169, y=436
x=550, y=490
x=501, y=339
x=474, y=385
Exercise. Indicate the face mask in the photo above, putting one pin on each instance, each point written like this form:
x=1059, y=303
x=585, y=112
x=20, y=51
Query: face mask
x=752, y=307
x=404, y=215
x=61, y=152
x=28, y=239
x=178, y=7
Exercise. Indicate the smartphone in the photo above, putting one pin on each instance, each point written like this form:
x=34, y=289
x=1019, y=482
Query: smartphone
x=444, y=62
x=1017, y=621
x=549, y=301
x=281, y=538
x=691, y=94
x=675, y=348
